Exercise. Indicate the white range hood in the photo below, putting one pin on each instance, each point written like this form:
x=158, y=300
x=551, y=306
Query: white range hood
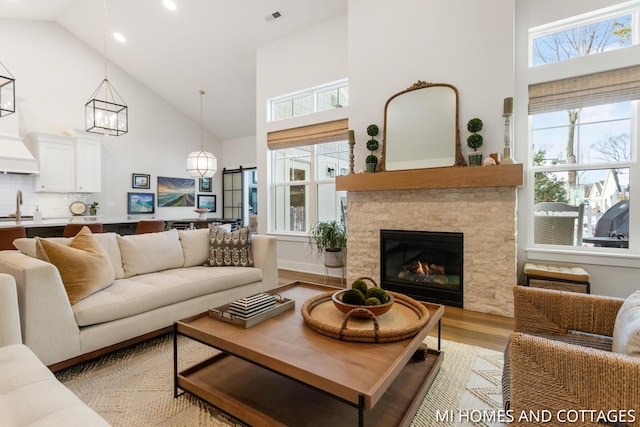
x=15, y=157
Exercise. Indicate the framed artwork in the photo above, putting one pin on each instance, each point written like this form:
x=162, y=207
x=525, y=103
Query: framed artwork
x=140, y=180
x=176, y=192
x=207, y=201
x=205, y=184
x=141, y=203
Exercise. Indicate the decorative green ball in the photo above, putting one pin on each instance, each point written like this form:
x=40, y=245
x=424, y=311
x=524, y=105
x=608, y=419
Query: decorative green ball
x=371, y=159
x=378, y=293
x=372, y=145
x=372, y=130
x=360, y=285
x=474, y=125
x=353, y=297
x=372, y=301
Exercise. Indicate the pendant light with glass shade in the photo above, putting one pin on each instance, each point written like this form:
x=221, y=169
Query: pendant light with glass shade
x=201, y=164
x=106, y=112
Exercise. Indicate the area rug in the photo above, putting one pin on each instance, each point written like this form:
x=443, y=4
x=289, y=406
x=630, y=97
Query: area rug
x=134, y=387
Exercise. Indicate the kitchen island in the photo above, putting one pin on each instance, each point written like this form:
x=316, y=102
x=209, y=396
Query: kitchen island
x=123, y=225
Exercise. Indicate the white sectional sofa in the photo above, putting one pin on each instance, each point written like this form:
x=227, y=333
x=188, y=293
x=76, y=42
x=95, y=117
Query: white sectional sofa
x=30, y=395
x=158, y=278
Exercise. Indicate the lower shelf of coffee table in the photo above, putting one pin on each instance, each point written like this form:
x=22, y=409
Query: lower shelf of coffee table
x=258, y=396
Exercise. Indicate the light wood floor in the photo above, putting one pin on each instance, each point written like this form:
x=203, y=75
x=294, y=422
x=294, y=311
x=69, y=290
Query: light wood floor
x=465, y=326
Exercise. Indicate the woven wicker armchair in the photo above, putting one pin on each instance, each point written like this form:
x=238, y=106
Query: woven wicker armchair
x=559, y=357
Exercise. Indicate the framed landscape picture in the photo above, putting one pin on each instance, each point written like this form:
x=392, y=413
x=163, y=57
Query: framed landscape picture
x=207, y=201
x=174, y=192
x=205, y=184
x=140, y=180
x=141, y=203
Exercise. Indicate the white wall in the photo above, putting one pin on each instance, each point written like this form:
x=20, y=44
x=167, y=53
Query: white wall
x=55, y=76
x=468, y=44
x=610, y=275
x=239, y=152
x=310, y=58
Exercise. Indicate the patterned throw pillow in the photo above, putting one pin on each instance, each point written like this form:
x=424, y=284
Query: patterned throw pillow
x=230, y=249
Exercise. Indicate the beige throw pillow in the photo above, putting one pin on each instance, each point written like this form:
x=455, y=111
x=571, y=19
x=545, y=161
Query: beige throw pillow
x=150, y=252
x=230, y=249
x=626, y=330
x=83, y=265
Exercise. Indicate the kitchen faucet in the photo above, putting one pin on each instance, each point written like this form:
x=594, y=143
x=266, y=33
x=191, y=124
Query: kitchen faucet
x=18, y=203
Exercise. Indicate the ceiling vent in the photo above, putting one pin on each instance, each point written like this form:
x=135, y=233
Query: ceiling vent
x=274, y=15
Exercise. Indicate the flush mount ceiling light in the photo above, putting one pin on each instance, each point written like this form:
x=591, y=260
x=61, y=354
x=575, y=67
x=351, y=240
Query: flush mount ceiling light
x=169, y=4
x=7, y=92
x=201, y=164
x=106, y=112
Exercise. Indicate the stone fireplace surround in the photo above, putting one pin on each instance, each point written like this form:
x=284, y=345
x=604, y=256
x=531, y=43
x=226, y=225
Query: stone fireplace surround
x=483, y=210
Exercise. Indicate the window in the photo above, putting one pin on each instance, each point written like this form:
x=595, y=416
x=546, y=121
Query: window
x=326, y=97
x=305, y=162
x=584, y=139
x=589, y=36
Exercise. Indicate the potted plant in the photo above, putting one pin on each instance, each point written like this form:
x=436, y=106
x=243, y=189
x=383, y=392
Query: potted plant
x=372, y=145
x=330, y=238
x=93, y=208
x=474, y=141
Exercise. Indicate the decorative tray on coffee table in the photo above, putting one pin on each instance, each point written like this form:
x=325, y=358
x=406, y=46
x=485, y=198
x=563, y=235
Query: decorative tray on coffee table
x=404, y=320
x=226, y=313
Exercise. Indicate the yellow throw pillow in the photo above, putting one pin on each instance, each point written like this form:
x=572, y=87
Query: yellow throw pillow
x=83, y=265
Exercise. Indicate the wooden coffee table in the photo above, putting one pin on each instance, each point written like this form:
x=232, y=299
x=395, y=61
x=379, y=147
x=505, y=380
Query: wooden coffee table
x=281, y=373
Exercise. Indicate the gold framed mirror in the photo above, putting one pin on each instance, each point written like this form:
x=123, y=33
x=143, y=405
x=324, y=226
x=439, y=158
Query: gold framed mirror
x=421, y=128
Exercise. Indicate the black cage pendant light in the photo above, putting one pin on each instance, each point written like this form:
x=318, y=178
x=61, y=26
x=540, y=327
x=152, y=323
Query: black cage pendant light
x=106, y=112
x=201, y=164
x=7, y=92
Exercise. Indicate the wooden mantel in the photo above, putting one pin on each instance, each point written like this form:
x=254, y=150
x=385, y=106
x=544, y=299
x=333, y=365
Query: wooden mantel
x=448, y=177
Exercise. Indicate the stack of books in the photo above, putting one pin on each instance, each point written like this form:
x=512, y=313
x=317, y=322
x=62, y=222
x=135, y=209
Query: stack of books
x=252, y=306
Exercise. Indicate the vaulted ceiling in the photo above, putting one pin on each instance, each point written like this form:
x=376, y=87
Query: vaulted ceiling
x=203, y=44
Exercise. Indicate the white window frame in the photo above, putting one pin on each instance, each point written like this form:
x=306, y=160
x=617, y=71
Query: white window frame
x=339, y=84
x=564, y=69
x=627, y=8
x=312, y=185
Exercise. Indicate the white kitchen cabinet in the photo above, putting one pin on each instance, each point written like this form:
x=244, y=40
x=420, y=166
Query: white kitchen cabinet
x=88, y=161
x=67, y=164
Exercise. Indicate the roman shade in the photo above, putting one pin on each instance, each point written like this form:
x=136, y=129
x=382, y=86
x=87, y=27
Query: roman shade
x=622, y=84
x=319, y=133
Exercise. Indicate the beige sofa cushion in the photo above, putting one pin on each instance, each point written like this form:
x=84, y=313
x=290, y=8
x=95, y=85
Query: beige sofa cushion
x=30, y=395
x=146, y=253
x=108, y=242
x=195, y=246
x=141, y=293
x=83, y=265
x=626, y=330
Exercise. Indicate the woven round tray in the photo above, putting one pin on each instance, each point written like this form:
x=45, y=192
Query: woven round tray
x=403, y=321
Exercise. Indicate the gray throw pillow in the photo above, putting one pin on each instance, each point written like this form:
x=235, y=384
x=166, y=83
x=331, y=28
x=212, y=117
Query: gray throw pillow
x=230, y=249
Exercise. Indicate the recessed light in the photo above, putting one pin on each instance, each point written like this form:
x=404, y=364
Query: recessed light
x=169, y=4
x=119, y=37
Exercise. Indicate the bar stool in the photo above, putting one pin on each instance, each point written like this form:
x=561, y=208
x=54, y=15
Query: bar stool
x=149, y=226
x=73, y=228
x=9, y=234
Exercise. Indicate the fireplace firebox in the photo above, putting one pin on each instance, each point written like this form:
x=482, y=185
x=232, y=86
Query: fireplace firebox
x=424, y=265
